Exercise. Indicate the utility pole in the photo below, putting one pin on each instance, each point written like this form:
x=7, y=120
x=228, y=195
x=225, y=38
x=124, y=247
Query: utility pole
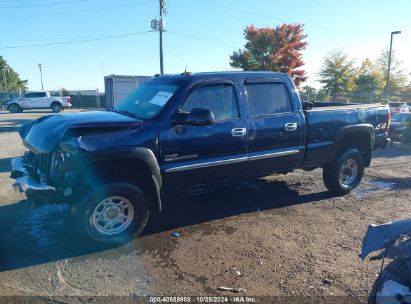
x=389, y=61
x=161, y=29
x=41, y=77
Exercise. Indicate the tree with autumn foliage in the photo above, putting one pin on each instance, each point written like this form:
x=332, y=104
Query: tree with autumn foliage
x=273, y=49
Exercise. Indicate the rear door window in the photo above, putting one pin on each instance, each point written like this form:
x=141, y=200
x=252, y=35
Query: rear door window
x=267, y=99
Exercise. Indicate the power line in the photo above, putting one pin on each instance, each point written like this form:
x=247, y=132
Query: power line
x=76, y=41
x=209, y=12
x=204, y=39
x=272, y=18
x=80, y=11
x=43, y=4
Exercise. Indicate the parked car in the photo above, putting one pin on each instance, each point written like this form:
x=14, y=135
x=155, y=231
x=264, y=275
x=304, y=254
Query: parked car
x=391, y=241
x=38, y=100
x=398, y=107
x=188, y=132
x=397, y=127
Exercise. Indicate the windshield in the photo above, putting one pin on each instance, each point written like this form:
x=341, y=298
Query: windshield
x=401, y=117
x=147, y=100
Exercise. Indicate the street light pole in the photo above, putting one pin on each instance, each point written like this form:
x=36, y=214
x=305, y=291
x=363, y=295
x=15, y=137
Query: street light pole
x=389, y=60
x=41, y=76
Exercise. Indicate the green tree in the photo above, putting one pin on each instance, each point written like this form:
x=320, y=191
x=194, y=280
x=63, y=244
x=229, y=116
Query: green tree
x=13, y=81
x=398, y=78
x=369, y=79
x=308, y=93
x=337, y=74
x=273, y=49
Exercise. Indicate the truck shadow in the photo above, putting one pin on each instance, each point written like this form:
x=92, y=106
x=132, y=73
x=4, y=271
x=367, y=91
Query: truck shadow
x=32, y=235
x=5, y=164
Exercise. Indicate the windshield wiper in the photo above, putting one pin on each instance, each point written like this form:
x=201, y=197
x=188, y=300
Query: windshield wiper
x=126, y=113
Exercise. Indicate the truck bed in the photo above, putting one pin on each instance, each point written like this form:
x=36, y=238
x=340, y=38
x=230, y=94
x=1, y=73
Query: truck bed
x=324, y=121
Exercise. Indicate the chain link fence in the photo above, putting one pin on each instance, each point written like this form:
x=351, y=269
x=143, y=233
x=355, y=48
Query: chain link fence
x=79, y=98
x=357, y=98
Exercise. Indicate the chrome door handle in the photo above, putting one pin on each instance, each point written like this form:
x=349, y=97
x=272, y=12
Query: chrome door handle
x=292, y=126
x=238, y=132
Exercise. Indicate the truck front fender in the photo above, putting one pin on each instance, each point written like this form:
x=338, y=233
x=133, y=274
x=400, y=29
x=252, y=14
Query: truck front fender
x=139, y=153
x=144, y=155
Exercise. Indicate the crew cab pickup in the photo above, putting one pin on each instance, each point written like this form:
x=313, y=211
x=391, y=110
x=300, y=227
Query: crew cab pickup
x=38, y=100
x=187, y=132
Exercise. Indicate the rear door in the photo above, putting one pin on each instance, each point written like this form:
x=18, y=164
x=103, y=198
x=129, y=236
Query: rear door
x=42, y=101
x=196, y=155
x=276, y=127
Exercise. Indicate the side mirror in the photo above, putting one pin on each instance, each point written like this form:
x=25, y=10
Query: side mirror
x=200, y=117
x=307, y=105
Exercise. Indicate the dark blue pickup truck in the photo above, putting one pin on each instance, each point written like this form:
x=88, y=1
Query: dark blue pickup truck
x=185, y=132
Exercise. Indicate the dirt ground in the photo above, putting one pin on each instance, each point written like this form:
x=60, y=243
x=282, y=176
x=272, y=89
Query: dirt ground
x=282, y=235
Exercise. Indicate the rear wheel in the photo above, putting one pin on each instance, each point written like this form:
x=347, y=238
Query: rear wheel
x=345, y=173
x=113, y=213
x=14, y=108
x=56, y=107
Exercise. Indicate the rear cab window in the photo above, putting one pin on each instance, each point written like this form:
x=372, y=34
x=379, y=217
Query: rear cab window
x=268, y=98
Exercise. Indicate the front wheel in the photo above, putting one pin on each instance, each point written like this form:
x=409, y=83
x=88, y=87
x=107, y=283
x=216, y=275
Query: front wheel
x=113, y=213
x=345, y=173
x=14, y=108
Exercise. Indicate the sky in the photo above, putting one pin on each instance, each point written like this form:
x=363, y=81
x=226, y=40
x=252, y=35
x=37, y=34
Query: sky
x=201, y=35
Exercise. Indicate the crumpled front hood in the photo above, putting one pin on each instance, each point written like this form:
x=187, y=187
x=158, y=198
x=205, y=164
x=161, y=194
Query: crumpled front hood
x=43, y=134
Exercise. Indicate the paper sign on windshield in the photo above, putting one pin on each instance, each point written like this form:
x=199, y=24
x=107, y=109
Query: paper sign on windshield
x=161, y=98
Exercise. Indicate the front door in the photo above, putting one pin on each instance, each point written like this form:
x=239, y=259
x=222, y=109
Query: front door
x=27, y=101
x=196, y=155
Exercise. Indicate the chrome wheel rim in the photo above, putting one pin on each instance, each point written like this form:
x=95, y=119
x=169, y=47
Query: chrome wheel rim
x=112, y=215
x=56, y=108
x=348, y=172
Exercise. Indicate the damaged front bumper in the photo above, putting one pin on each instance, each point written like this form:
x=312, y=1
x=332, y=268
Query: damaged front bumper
x=24, y=182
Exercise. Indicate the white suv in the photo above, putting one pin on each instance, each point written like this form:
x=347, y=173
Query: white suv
x=38, y=100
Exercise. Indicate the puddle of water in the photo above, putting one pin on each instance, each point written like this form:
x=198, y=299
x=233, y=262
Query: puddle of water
x=372, y=186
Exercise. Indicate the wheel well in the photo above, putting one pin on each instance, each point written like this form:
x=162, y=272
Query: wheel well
x=54, y=102
x=134, y=171
x=360, y=140
x=14, y=103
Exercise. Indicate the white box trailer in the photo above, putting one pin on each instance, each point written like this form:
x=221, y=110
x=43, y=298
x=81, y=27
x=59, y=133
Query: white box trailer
x=118, y=87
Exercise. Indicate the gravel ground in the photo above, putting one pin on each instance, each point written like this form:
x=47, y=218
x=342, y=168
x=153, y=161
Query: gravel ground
x=282, y=235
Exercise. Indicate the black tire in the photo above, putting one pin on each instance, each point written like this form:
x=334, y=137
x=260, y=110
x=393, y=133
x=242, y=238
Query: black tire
x=14, y=108
x=56, y=107
x=91, y=223
x=331, y=173
x=396, y=271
